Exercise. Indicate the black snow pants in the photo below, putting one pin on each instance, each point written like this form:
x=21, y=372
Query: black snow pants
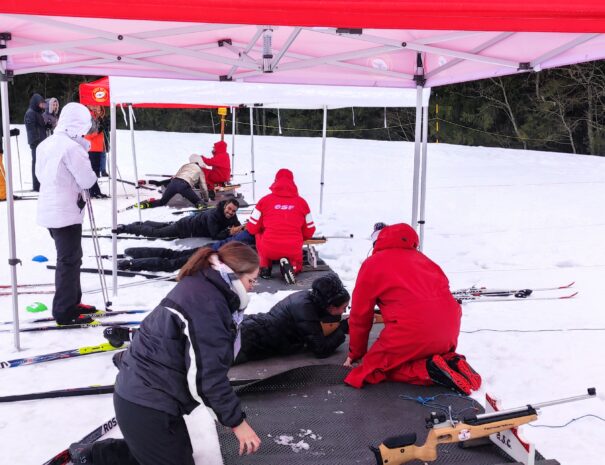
x=177, y=186
x=157, y=259
x=151, y=437
x=153, y=229
x=68, y=242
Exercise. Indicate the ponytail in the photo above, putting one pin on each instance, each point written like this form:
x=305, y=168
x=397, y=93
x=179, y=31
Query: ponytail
x=238, y=256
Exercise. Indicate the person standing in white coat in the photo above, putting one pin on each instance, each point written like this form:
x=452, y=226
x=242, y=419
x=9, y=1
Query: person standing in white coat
x=64, y=172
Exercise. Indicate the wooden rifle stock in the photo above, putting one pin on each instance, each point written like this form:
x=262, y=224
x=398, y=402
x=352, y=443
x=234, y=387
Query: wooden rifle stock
x=397, y=450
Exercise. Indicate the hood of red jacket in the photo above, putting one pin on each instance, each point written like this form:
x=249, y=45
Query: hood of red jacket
x=397, y=236
x=220, y=147
x=284, y=184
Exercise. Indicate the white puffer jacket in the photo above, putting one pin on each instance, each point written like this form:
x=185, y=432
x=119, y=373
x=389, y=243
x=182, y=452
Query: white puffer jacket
x=63, y=169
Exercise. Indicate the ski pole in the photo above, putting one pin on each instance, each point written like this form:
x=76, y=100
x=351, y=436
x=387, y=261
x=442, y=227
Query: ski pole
x=97, y=248
x=19, y=159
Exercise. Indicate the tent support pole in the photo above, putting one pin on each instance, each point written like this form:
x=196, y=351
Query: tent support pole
x=114, y=198
x=134, y=157
x=232, y=141
x=425, y=131
x=10, y=204
x=252, y=152
x=323, y=159
x=419, y=78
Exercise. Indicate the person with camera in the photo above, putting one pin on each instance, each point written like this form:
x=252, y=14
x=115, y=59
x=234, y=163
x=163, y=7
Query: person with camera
x=64, y=172
x=179, y=361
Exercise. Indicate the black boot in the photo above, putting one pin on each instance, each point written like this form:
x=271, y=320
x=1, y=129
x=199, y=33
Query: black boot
x=125, y=264
x=80, y=453
x=265, y=273
x=117, y=335
x=287, y=271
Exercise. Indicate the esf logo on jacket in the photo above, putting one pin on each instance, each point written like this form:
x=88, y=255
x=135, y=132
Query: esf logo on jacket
x=283, y=207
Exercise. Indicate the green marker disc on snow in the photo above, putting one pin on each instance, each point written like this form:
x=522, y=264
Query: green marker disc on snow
x=36, y=307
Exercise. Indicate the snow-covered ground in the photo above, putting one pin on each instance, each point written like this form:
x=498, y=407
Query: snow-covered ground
x=495, y=217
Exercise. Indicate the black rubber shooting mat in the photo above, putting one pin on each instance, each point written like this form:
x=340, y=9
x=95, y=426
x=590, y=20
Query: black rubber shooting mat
x=309, y=416
x=262, y=369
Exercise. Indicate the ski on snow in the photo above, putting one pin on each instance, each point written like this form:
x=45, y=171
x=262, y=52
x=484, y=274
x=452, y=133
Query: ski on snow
x=136, y=238
x=63, y=458
x=509, y=298
x=96, y=314
x=493, y=292
x=128, y=274
x=96, y=324
x=105, y=347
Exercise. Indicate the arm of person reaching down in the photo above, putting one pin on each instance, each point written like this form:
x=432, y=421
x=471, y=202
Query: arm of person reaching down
x=308, y=228
x=362, y=311
x=255, y=222
x=78, y=164
x=212, y=342
x=321, y=346
x=216, y=226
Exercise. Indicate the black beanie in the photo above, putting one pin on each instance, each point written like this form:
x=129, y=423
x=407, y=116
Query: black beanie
x=329, y=290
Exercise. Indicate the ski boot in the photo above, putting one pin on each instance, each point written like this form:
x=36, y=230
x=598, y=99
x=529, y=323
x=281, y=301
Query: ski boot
x=79, y=320
x=143, y=204
x=80, y=452
x=459, y=364
x=441, y=373
x=117, y=335
x=287, y=271
x=265, y=273
x=124, y=265
x=86, y=309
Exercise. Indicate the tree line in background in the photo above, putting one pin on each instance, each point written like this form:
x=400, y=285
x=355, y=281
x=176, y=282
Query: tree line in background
x=559, y=110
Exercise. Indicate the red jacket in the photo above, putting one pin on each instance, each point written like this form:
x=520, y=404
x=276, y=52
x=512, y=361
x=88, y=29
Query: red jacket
x=283, y=218
x=220, y=163
x=421, y=317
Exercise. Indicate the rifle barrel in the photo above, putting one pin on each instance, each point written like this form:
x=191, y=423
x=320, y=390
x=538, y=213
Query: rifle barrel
x=591, y=392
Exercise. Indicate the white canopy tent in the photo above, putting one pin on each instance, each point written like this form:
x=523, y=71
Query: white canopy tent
x=131, y=91
x=391, y=43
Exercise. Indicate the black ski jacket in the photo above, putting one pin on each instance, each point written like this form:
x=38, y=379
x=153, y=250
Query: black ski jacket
x=34, y=121
x=209, y=223
x=181, y=355
x=292, y=325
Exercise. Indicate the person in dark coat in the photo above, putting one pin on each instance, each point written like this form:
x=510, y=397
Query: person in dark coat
x=217, y=223
x=36, y=130
x=178, y=361
x=304, y=321
x=164, y=259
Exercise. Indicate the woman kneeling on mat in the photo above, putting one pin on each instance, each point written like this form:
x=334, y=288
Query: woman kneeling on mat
x=178, y=360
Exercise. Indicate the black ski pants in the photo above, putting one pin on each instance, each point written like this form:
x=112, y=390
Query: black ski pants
x=157, y=259
x=35, y=182
x=177, y=186
x=151, y=437
x=68, y=242
x=95, y=164
x=153, y=229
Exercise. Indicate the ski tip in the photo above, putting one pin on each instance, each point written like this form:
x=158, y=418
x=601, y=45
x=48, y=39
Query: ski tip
x=570, y=295
x=568, y=285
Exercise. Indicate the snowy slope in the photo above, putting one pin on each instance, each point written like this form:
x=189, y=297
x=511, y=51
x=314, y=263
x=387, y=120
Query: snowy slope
x=495, y=217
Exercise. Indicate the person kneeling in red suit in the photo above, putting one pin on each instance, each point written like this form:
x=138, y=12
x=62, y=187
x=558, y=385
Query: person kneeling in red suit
x=281, y=222
x=220, y=166
x=421, y=318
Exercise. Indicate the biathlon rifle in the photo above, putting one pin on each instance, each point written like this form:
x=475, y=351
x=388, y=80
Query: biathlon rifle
x=397, y=450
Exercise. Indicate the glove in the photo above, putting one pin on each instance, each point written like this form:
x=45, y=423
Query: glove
x=344, y=325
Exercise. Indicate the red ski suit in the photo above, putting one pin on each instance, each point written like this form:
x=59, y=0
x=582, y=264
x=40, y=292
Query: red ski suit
x=281, y=221
x=421, y=318
x=221, y=166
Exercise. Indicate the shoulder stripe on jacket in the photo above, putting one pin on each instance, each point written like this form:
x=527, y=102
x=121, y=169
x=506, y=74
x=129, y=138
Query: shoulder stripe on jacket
x=193, y=369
